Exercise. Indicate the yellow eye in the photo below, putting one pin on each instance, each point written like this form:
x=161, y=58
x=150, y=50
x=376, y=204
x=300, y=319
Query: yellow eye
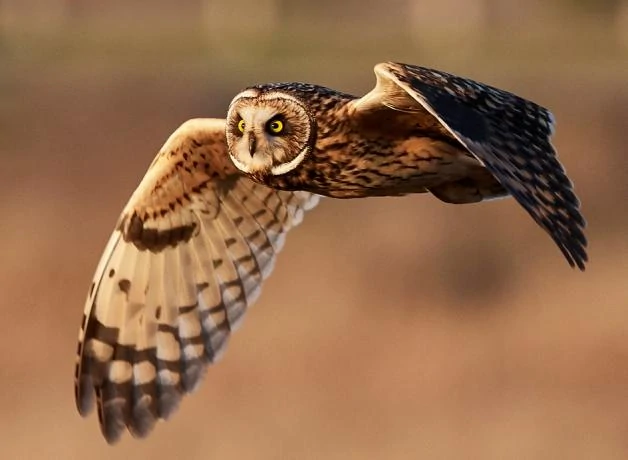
x=275, y=126
x=241, y=126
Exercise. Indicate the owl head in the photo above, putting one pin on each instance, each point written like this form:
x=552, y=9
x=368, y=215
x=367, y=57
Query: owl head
x=269, y=131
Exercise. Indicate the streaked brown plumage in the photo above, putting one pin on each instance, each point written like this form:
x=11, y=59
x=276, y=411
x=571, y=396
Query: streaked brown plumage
x=418, y=130
x=201, y=232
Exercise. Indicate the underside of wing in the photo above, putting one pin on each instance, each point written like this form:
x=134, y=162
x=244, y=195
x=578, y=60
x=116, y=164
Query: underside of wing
x=186, y=260
x=509, y=135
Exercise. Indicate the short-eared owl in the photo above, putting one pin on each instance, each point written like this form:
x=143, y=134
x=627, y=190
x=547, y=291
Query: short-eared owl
x=200, y=234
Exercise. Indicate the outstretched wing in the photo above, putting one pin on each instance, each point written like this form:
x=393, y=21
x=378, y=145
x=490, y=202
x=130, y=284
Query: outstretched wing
x=187, y=257
x=509, y=135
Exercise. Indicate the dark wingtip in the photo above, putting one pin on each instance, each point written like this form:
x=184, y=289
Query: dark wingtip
x=143, y=418
x=576, y=260
x=583, y=258
x=84, y=395
x=110, y=419
x=573, y=247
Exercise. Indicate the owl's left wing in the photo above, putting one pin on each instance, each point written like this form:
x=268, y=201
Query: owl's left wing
x=509, y=135
x=187, y=258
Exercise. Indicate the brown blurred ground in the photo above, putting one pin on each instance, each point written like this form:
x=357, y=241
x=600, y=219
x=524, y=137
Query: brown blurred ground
x=391, y=328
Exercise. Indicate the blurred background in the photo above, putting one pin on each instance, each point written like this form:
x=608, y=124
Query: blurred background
x=391, y=328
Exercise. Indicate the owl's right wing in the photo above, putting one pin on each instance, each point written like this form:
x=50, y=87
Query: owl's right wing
x=187, y=257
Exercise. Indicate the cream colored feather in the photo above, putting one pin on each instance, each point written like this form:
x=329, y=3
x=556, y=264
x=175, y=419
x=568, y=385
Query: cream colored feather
x=187, y=258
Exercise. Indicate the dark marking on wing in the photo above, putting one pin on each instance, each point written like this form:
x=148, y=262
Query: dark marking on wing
x=152, y=239
x=124, y=285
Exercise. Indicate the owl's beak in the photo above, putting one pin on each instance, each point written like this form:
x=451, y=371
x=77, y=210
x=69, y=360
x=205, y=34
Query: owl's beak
x=252, y=143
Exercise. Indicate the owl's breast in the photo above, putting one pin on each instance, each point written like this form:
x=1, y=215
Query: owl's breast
x=375, y=167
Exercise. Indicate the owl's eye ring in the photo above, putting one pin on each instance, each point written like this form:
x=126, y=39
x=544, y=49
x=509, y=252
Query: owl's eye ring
x=275, y=126
x=241, y=126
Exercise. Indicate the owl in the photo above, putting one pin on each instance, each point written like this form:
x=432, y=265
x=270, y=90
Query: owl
x=201, y=232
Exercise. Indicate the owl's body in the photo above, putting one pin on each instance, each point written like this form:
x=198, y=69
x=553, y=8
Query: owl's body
x=201, y=232
x=351, y=160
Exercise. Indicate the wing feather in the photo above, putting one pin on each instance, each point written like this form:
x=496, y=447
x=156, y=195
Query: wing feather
x=187, y=258
x=509, y=135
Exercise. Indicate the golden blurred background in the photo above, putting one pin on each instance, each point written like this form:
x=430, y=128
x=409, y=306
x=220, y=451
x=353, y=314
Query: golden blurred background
x=396, y=328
